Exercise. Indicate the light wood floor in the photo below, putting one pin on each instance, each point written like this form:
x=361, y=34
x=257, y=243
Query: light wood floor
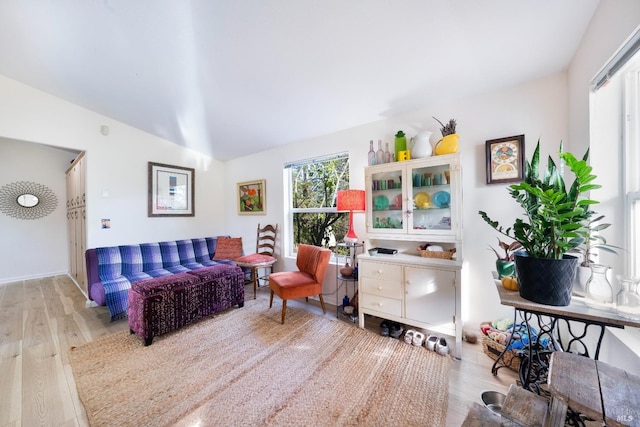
x=41, y=319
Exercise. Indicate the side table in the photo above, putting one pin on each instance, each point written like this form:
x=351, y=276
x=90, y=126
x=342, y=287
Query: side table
x=347, y=252
x=535, y=359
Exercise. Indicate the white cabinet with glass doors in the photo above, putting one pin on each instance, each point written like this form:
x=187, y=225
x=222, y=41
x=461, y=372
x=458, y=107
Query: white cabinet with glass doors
x=409, y=204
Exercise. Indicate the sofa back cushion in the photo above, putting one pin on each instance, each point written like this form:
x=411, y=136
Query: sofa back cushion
x=131, y=259
x=204, y=250
x=185, y=251
x=170, y=256
x=187, y=255
x=151, y=256
x=109, y=262
x=201, y=249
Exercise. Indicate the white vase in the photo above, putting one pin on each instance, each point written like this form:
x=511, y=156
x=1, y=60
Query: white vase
x=599, y=290
x=421, y=145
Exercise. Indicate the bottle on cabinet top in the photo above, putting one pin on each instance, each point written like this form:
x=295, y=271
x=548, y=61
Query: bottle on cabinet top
x=387, y=154
x=371, y=155
x=379, y=154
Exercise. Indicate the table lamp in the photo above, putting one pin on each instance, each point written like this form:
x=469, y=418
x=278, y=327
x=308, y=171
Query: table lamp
x=350, y=201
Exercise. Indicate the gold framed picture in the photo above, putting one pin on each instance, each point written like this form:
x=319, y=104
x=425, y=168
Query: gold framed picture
x=505, y=159
x=171, y=190
x=252, y=196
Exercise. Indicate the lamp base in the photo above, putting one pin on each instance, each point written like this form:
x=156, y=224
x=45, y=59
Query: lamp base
x=350, y=240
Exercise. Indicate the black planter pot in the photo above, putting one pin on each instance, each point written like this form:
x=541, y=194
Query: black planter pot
x=546, y=281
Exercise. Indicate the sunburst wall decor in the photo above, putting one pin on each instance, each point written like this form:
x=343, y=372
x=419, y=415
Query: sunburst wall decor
x=10, y=193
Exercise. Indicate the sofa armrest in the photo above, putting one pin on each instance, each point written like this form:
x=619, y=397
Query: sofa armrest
x=93, y=278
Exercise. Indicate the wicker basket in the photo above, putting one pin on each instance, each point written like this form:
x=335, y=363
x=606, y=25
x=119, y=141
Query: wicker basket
x=437, y=254
x=510, y=359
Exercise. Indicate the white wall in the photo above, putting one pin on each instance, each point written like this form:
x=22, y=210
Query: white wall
x=536, y=109
x=116, y=163
x=34, y=248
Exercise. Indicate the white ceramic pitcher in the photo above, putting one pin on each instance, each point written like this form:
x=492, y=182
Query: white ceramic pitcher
x=421, y=145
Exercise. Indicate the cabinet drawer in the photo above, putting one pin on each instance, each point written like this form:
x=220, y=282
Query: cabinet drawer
x=381, y=271
x=381, y=304
x=383, y=288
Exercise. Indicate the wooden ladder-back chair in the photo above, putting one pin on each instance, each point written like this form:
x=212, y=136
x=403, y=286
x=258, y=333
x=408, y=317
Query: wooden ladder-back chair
x=312, y=263
x=263, y=258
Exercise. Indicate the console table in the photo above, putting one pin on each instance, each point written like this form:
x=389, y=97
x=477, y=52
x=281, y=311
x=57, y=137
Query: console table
x=535, y=359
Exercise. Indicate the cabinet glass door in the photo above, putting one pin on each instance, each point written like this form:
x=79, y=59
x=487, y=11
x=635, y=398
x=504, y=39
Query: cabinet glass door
x=430, y=198
x=386, y=204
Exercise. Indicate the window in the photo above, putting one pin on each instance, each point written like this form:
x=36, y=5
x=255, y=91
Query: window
x=615, y=149
x=616, y=117
x=632, y=159
x=633, y=209
x=313, y=185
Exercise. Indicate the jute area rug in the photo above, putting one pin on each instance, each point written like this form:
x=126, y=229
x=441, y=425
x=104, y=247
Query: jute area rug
x=242, y=367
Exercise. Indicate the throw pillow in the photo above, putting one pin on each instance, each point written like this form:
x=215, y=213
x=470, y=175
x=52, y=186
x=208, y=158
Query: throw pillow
x=228, y=248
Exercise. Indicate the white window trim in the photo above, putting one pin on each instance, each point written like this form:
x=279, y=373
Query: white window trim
x=631, y=147
x=288, y=208
x=631, y=185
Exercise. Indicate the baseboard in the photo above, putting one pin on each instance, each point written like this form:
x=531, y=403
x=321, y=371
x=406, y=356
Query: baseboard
x=87, y=304
x=8, y=280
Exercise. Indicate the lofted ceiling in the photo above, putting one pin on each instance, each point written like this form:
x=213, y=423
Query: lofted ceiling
x=232, y=77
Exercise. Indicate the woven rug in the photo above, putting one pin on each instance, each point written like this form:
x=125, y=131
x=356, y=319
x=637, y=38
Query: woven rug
x=242, y=367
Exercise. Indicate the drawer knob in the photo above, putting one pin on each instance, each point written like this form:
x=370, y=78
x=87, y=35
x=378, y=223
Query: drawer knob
x=380, y=271
x=379, y=288
x=379, y=304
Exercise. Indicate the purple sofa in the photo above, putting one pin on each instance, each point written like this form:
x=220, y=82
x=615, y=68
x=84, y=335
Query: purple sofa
x=112, y=270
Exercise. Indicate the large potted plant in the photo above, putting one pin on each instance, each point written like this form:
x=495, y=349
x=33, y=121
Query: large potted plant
x=555, y=222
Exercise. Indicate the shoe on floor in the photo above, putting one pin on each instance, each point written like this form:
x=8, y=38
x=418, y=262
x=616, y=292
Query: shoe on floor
x=395, y=330
x=442, y=347
x=418, y=339
x=431, y=342
x=384, y=328
x=408, y=336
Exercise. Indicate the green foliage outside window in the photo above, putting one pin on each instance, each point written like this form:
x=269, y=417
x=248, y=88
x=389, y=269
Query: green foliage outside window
x=313, y=196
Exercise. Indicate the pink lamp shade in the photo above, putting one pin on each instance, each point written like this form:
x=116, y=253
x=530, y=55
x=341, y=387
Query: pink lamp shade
x=351, y=201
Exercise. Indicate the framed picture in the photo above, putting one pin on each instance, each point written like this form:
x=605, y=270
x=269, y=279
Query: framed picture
x=505, y=159
x=252, y=198
x=171, y=190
